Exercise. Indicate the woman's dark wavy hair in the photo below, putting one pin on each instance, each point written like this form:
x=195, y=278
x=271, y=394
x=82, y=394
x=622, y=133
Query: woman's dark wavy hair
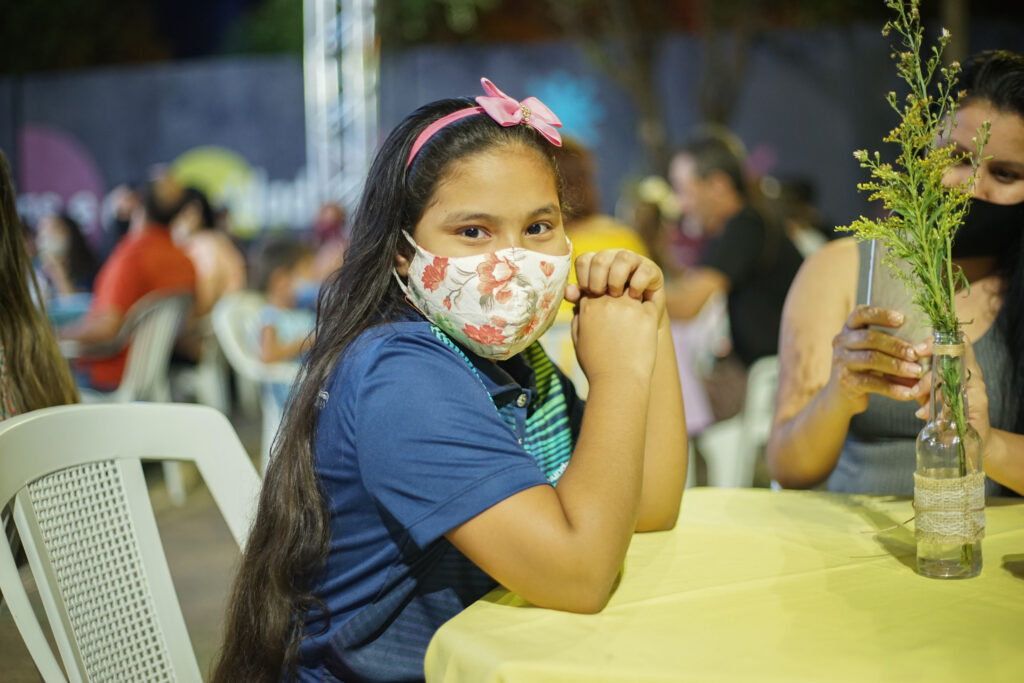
x=272, y=599
x=82, y=262
x=997, y=77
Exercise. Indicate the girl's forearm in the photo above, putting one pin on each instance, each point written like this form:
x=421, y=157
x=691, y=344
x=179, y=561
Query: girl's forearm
x=600, y=490
x=665, y=442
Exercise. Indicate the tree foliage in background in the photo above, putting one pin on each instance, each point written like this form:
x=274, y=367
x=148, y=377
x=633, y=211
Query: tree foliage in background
x=47, y=35
x=414, y=21
x=622, y=39
x=71, y=34
x=269, y=27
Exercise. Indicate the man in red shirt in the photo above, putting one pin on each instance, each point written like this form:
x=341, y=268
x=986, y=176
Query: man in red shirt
x=144, y=261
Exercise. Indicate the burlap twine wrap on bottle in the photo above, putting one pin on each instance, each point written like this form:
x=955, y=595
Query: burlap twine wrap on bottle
x=949, y=511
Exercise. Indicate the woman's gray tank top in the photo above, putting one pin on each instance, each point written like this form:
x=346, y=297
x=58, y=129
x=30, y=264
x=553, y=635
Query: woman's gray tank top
x=878, y=454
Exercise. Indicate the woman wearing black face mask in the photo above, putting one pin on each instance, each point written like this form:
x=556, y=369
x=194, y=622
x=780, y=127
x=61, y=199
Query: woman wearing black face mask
x=848, y=390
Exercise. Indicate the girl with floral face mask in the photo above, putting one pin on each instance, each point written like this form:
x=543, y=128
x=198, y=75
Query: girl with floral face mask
x=431, y=450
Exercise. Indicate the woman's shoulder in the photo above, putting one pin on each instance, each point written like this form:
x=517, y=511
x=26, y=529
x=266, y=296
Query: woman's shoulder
x=832, y=267
x=840, y=253
x=824, y=290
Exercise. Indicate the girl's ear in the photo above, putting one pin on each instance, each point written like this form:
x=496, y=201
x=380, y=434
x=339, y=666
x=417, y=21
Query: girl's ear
x=401, y=265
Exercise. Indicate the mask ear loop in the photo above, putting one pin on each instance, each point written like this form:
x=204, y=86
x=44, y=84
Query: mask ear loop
x=404, y=286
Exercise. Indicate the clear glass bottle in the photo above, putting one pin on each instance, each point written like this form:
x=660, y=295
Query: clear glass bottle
x=949, y=484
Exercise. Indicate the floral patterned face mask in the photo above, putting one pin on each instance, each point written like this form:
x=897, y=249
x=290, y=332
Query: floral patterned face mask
x=494, y=304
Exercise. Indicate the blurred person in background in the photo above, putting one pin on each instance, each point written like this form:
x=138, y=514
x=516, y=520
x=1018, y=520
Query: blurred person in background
x=586, y=226
x=745, y=257
x=219, y=265
x=330, y=243
x=65, y=258
x=119, y=207
x=144, y=261
x=655, y=216
x=282, y=268
x=792, y=200
x=33, y=374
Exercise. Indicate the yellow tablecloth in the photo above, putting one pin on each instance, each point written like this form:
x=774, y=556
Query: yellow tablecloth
x=764, y=585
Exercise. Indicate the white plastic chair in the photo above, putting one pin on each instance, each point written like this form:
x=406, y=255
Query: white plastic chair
x=235, y=318
x=709, y=334
x=73, y=475
x=149, y=331
x=730, y=447
x=207, y=380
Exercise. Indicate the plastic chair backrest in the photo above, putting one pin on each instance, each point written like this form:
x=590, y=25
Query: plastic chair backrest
x=235, y=317
x=154, y=323
x=83, y=513
x=731, y=447
x=710, y=334
x=207, y=380
x=759, y=403
x=235, y=322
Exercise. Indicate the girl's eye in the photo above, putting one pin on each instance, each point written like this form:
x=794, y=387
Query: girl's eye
x=472, y=233
x=538, y=228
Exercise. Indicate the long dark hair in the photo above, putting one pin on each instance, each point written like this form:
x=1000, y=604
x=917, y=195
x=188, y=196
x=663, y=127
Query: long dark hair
x=82, y=262
x=39, y=374
x=272, y=597
x=997, y=77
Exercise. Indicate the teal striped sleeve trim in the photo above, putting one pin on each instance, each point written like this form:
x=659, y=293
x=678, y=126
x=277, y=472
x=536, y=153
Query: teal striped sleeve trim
x=548, y=435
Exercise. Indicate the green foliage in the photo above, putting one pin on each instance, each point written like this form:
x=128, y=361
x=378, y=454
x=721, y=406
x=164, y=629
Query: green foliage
x=72, y=34
x=416, y=20
x=270, y=27
x=923, y=214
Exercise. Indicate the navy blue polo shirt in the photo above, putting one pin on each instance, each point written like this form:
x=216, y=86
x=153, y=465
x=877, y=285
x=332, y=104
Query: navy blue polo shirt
x=416, y=436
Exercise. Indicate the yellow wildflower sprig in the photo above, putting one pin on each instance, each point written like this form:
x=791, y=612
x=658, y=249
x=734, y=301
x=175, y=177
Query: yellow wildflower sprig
x=922, y=213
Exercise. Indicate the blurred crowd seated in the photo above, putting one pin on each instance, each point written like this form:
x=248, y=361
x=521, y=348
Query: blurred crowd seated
x=164, y=304
x=240, y=313
x=729, y=396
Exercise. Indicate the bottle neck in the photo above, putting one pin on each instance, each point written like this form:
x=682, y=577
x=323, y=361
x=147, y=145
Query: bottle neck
x=949, y=378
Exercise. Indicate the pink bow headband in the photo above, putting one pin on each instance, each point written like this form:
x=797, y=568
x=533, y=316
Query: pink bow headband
x=504, y=110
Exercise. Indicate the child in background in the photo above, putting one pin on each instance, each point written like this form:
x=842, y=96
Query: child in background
x=282, y=267
x=431, y=449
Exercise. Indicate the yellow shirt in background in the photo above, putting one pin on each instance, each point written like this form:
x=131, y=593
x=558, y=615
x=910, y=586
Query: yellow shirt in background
x=590, y=234
x=595, y=233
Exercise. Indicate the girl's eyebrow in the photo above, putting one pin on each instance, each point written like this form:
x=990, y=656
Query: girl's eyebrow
x=469, y=216
x=546, y=210
x=456, y=217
